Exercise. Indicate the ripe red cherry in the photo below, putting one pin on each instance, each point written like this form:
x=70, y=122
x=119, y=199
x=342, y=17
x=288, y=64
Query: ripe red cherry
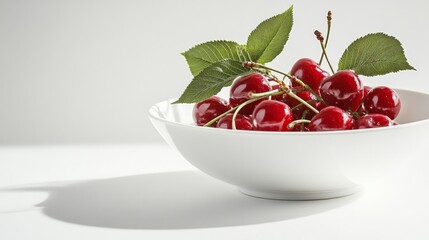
x=300, y=127
x=366, y=90
x=310, y=114
x=298, y=111
x=278, y=97
x=343, y=89
x=271, y=115
x=373, y=120
x=208, y=109
x=242, y=86
x=383, y=100
x=330, y=119
x=242, y=122
x=319, y=106
x=309, y=72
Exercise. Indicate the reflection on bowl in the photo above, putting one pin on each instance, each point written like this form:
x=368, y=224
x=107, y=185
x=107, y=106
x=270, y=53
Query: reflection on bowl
x=297, y=165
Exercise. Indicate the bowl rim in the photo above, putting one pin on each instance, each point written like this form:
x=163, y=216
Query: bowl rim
x=352, y=131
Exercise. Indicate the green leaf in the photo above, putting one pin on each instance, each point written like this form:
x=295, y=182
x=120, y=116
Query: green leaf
x=211, y=80
x=375, y=54
x=205, y=54
x=268, y=39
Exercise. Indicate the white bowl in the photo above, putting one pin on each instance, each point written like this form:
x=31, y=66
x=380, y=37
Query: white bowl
x=297, y=165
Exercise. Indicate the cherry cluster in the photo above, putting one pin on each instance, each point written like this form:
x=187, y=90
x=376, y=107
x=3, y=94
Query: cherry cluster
x=313, y=100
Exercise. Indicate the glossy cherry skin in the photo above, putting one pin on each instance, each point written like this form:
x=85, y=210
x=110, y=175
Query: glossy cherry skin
x=242, y=86
x=242, y=122
x=271, y=115
x=361, y=110
x=366, y=90
x=320, y=105
x=343, y=89
x=300, y=127
x=383, y=100
x=208, y=109
x=374, y=120
x=309, y=72
x=298, y=111
x=331, y=118
x=278, y=97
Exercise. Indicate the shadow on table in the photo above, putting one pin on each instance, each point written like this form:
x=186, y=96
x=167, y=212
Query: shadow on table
x=171, y=200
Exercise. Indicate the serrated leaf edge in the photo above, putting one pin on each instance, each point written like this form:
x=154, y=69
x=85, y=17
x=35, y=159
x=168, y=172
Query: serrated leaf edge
x=409, y=67
x=266, y=20
x=188, y=53
x=180, y=99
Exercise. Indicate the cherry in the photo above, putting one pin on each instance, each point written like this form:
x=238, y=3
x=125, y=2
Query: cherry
x=383, y=100
x=208, y=109
x=242, y=122
x=343, y=89
x=298, y=111
x=300, y=127
x=320, y=105
x=278, y=97
x=360, y=111
x=331, y=118
x=374, y=120
x=366, y=90
x=309, y=72
x=271, y=115
x=242, y=86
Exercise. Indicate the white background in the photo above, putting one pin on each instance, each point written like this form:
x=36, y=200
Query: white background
x=87, y=71
x=146, y=192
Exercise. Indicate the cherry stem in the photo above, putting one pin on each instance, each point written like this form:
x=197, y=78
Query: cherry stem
x=292, y=124
x=254, y=97
x=234, y=116
x=285, y=88
x=290, y=93
x=321, y=40
x=208, y=124
x=329, y=18
x=326, y=56
x=299, y=105
x=257, y=65
x=359, y=108
x=308, y=88
x=355, y=114
x=293, y=78
x=264, y=94
x=304, y=114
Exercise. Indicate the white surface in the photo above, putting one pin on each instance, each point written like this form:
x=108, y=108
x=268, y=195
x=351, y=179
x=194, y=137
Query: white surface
x=297, y=165
x=87, y=70
x=148, y=192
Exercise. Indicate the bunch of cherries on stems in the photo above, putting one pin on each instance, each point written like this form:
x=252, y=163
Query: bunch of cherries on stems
x=313, y=100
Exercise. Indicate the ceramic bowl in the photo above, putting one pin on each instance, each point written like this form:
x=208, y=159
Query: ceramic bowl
x=297, y=165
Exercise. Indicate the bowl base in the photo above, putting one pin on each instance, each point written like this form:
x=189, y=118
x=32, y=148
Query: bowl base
x=302, y=195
